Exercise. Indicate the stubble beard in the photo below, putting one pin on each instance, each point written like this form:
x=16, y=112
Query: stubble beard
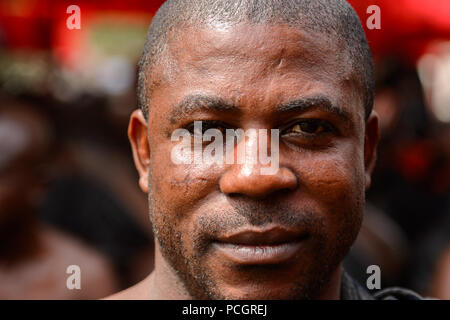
x=198, y=280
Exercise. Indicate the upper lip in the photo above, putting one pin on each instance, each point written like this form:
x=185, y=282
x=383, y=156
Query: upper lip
x=255, y=237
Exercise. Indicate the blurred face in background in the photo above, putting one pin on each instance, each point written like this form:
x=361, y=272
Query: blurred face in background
x=22, y=151
x=226, y=231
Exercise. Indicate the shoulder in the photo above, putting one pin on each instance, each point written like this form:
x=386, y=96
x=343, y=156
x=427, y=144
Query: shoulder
x=45, y=276
x=137, y=292
x=440, y=286
x=97, y=274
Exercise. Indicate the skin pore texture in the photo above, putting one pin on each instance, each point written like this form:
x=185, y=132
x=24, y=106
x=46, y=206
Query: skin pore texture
x=260, y=76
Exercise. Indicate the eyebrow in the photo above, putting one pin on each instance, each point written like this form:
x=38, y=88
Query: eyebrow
x=317, y=102
x=194, y=103
x=199, y=102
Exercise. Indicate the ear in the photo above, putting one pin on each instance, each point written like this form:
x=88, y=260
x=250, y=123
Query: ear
x=372, y=135
x=137, y=134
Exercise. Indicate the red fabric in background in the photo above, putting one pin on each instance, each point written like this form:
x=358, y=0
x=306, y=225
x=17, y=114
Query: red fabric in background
x=29, y=24
x=407, y=26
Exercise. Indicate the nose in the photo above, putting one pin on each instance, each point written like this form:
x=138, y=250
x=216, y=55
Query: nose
x=245, y=180
x=250, y=179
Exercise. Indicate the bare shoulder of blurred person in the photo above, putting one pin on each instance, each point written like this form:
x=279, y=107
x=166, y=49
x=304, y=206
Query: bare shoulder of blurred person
x=34, y=258
x=44, y=276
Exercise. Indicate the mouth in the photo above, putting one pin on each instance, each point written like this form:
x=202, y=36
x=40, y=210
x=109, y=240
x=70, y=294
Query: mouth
x=258, y=247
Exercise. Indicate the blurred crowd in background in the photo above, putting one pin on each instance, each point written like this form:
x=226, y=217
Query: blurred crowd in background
x=68, y=187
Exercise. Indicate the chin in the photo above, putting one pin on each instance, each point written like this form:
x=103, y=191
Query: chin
x=265, y=292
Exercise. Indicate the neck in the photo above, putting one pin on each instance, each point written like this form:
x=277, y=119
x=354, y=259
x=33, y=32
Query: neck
x=163, y=283
x=332, y=290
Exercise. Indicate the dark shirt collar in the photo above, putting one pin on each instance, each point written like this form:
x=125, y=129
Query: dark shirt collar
x=351, y=290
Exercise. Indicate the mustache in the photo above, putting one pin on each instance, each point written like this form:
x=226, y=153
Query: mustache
x=248, y=214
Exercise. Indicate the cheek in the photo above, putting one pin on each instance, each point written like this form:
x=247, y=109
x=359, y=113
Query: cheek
x=333, y=178
x=180, y=187
x=334, y=184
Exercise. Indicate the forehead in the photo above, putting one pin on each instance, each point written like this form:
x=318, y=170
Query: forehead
x=267, y=42
x=256, y=63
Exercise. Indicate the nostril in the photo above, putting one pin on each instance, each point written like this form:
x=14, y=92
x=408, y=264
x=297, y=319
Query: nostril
x=284, y=191
x=234, y=195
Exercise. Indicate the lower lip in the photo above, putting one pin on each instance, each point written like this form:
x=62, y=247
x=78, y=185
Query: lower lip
x=265, y=254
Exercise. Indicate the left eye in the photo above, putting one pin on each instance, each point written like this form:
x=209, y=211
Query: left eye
x=309, y=127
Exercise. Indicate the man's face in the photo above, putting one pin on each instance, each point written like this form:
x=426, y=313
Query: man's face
x=226, y=230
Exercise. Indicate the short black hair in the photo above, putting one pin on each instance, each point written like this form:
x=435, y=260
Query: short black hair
x=335, y=18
